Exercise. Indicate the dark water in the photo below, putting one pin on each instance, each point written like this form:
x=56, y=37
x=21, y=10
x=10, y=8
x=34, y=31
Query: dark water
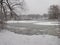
x=31, y=29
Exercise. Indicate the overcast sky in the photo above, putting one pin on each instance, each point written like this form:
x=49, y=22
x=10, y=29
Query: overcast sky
x=35, y=6
x=40, y=6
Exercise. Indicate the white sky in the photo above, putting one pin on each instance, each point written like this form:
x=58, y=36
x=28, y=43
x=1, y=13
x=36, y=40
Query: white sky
x=35, y=6
x=39, y=6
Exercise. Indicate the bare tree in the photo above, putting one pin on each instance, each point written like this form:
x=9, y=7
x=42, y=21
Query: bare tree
x=54, y=12
x=3, y=13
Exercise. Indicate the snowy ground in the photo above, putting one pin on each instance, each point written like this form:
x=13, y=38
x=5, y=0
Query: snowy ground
x=10, y=38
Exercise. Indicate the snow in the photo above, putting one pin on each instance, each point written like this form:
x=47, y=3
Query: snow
x=46, y=23
x=20, y=21
x=35, y=22
x=10, y=38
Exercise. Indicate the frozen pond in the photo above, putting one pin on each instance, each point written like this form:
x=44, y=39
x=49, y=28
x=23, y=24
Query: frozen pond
x=34, y=27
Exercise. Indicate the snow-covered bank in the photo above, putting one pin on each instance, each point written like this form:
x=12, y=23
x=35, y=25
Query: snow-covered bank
x=46, y=23
x=21, y=21
x=36, y=22
x=10, y=38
